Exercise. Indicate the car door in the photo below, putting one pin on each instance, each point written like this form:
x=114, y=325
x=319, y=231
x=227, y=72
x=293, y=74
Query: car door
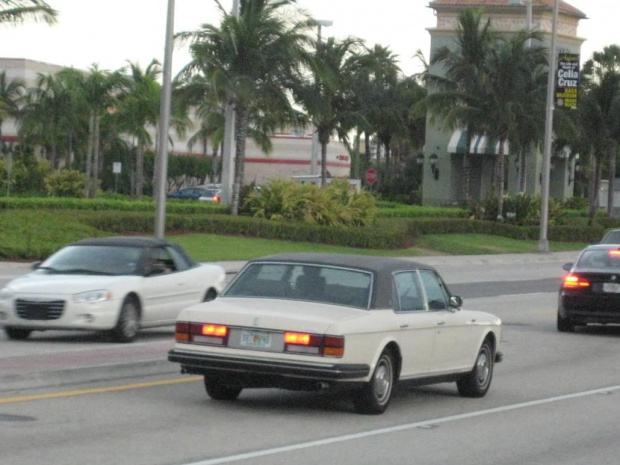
x=455, y=335
x=416, y=325
x=165, y=289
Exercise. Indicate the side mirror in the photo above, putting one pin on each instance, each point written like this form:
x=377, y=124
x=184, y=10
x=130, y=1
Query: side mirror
x=567, y=266
x=456, y=301
x=35, y=265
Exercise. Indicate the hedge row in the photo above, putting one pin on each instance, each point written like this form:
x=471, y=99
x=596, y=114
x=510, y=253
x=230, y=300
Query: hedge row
x=397, y=210
x=57, y=203
x=562, y=233
x=384, y=237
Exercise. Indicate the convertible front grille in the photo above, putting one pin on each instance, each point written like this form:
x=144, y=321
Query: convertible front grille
x=39, y=309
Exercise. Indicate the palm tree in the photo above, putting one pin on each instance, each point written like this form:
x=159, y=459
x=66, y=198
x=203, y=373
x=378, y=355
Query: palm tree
x=329, y=97
x=48, y=117
x=249, y=60
x=601, y=82
x=460, y=78
x=18, y=11
x=11, y=93
x=138, y=108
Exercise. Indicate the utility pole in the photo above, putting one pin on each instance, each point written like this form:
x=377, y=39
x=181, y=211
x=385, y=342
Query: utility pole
x=543, y=243
x=164, y=124
x=228, y=152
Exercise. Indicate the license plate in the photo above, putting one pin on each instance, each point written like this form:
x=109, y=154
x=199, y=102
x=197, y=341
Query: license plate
x=611, y=287
x=258, y=339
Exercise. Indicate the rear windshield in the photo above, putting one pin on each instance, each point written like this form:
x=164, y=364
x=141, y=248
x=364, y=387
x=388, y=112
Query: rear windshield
x=612, y=237
x=600, y=259
x=294, y=281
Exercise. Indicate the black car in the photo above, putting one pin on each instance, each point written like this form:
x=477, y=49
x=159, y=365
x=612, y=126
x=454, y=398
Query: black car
x=590, y=292
x=193, y=193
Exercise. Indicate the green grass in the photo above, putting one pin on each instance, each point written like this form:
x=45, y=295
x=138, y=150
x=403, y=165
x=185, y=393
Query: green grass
x=31, y=235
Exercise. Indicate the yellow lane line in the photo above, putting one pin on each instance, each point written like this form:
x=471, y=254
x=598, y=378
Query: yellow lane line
x=83, y=392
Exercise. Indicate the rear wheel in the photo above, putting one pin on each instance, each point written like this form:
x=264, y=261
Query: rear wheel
x=17, y=334
x=374, y=397
x=476, y=383
x=565, y=325
x=218, y=391
x=126, y=329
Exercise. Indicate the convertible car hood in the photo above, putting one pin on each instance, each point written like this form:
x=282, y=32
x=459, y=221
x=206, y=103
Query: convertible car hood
x=62, y=284
x=271, y=313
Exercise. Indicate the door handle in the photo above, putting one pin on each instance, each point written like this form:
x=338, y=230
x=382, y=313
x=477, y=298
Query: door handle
x=440, y=323
x=404, y=325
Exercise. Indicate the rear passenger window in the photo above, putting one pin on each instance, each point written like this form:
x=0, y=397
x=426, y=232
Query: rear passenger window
x=409, y=295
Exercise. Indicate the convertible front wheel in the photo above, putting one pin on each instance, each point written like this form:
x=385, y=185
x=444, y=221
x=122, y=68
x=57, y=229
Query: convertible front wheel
x=374, y=397
x=476, y=383
x=219, y=391
x=126, y=329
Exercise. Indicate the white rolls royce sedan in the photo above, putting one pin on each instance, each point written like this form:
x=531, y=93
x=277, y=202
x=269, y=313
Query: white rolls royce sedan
x=118, y=285
x=325, y=321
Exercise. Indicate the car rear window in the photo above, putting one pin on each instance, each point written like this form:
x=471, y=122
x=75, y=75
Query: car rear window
x=310, y=282
x=600, y=259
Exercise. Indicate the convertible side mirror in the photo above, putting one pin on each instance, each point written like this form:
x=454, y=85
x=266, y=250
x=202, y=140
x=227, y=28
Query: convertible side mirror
x=456, y=301
x=567, y=266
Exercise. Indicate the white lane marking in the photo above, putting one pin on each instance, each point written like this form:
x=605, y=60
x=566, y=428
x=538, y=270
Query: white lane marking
x=393, y=429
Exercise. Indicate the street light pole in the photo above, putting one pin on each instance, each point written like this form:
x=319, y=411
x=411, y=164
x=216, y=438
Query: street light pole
x=314, y=154
x=543, y=243
x=164, y=124
x=228, y=152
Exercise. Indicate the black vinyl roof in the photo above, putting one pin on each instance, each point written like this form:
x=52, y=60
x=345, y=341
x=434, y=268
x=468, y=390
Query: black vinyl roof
x=364, y=262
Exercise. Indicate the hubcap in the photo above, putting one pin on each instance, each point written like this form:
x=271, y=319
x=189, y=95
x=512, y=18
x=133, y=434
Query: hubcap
x=483, y=368
x=130, y=322
x=382, y=381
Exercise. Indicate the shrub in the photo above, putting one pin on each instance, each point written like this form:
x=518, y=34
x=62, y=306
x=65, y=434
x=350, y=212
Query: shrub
x=65, y=183
x=336, y=205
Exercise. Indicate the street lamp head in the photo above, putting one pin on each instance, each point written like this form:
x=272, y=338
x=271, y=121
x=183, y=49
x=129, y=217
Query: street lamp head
x=320, y=22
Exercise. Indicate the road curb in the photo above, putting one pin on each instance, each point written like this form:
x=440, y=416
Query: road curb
x=91, y=374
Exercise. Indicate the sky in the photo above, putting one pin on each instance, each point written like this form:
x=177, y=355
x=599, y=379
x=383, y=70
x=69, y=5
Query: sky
x=110, y=33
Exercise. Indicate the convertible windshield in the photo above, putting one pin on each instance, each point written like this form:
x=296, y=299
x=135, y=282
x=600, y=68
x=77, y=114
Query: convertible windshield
x=295, y=281
x=90, y=259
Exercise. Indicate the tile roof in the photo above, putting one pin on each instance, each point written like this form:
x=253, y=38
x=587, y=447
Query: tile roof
x=564, y=6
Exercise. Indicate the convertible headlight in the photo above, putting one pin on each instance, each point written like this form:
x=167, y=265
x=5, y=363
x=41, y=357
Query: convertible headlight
x=6, y=293
x=92, y=296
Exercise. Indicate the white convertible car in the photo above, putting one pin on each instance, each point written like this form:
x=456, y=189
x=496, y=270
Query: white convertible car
x=317, y=321
x=115, y=284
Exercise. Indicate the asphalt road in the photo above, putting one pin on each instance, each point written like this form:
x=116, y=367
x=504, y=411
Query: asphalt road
x=553, y=400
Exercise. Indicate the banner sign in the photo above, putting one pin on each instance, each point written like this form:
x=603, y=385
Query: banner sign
x=567, y=81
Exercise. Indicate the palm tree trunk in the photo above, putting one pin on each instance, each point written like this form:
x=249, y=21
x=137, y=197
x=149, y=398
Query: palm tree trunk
x=356, y=155
x=522, y=171
x=89, y=154
x=500, y=181
x=323, y=164
x=612, y=149
x=241, y=129
x=95, y=184
x=140, y=170
x=467, y=169
x=367, y=147
x=595, y=182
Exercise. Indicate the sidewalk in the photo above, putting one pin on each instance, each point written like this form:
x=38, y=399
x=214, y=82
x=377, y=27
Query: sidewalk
x=38, y=367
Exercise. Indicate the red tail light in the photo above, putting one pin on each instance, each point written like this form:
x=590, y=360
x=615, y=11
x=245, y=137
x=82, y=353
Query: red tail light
x=314, y=344
x=181, y=331
x=574, y=281
x=201, y=333
x=217, y=198
x=614, y=253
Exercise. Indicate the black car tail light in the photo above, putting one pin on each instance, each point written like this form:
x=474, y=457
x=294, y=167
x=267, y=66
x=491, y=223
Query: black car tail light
x=575, y=281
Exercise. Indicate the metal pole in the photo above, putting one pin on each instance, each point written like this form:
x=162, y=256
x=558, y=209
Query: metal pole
x=164, y=124
x=314, y=158
x=528, y=20
x=228, y=152
x=543, y=243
